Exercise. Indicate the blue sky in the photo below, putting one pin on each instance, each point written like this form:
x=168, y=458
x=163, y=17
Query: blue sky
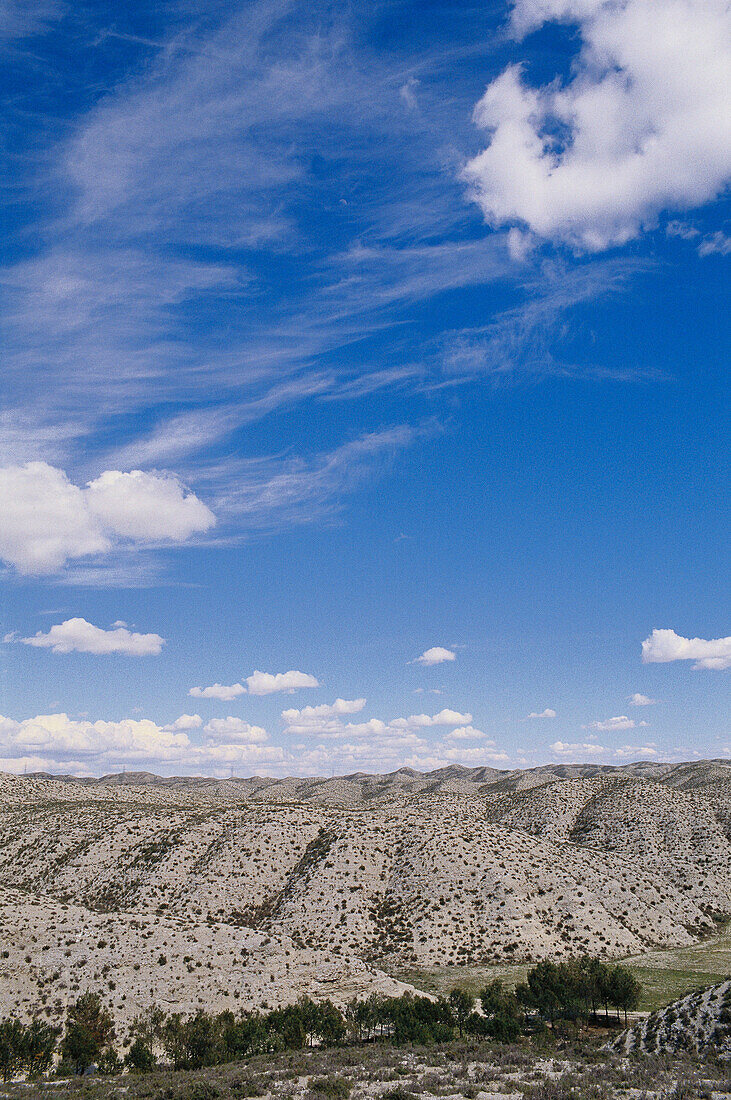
x=339, y=335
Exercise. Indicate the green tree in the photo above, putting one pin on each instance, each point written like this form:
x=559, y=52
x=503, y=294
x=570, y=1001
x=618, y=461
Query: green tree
x=461, y=1003
x=89, y=1031
x=140, y=1057
x=503, y=1018
x=624, y=990
x=38, y=1046
x=11, y=1047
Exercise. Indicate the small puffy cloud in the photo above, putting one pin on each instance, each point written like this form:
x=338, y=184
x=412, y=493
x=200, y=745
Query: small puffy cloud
x=266, y=683
x=146, y=507
x=47, y=520
x=233, y=729
x=436, y=656
x=640, y=700
x=443, y=718
x=224, y=692
x=641, y=126
x=665, y=645
x=467, y=733
x=77, y=635
x=621, y=722
x=547, y=713
x=635, y=751
x=324, y=710
x=185, y=722
x=561, y=748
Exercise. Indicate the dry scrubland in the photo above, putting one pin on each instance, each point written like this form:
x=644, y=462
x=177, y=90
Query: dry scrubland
x=247, y=893
x=478, y=1071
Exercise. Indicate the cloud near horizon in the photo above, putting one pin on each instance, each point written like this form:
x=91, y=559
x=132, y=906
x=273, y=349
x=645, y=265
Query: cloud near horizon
x=664, y=646
x=81, y=746
x=547, y=713
x=561, y=748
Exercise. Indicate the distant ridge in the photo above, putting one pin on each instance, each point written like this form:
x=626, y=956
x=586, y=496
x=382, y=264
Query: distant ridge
x=684, y=776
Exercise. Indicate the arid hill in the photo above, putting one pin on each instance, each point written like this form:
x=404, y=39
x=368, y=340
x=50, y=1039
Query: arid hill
x=255, y=890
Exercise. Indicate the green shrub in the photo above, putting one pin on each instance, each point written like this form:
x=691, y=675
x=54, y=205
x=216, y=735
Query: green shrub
x=335, y=1088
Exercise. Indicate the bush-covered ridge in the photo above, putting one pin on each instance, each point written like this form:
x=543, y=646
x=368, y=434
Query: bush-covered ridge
x=697, y=1023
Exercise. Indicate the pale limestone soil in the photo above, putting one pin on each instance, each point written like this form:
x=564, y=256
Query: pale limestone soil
x=430, y=880
x=57, y=951
x=679, y=834
x=696, y=1024
x=604, y=863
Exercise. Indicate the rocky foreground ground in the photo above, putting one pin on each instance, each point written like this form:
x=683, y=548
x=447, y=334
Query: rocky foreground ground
x=526, y=1071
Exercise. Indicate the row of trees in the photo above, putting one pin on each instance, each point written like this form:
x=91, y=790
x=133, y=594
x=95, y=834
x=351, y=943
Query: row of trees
x=567, y=991
x=577, y=988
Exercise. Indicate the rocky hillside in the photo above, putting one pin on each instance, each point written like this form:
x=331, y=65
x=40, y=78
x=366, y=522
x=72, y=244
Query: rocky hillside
x=457, y=866
x=697, y=1024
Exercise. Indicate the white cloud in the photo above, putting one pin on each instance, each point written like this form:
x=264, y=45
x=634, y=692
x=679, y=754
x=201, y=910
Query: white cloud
x=443, y=718
x=55, y=741
x=330, y=727
x=547, y=713
x=235, y=730
x=560, y=748
x=640, y=700
x=641, y=126
x=407, y=92
x=60, y=735
x=265, y=683
x=47, y=520
x=324, y=710
x=666, y=645
x=436, y=656
x=458, y=754
x=146, y=507
x=77, y=635
x=621, y=722
x=635, y=751
x=715, y=242
x=185, y=722
x=467, y=733
x=224, y=692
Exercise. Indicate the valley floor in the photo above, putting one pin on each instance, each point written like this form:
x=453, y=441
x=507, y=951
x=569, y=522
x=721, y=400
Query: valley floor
x=665, y=974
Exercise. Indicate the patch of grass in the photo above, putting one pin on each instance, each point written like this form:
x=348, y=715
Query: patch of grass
x=665, y=974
